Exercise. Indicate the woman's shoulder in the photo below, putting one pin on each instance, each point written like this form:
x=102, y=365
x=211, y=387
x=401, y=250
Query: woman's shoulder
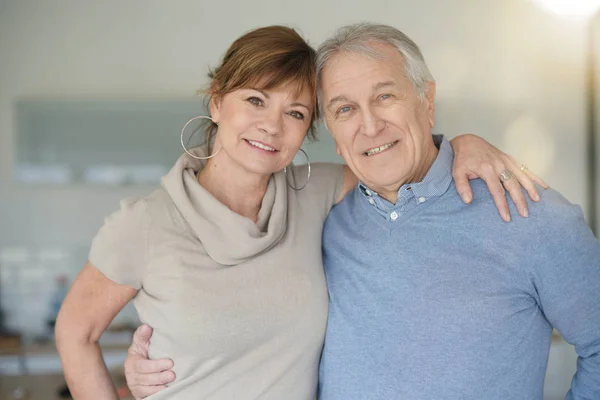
x=145, y=212
x=163, y=212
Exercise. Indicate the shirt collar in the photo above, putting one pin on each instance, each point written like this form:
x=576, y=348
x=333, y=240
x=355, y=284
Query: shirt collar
x=436, y=181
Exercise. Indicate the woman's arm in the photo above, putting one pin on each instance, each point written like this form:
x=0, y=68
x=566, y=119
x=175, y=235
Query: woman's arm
x=474, y=158
x=90, y=306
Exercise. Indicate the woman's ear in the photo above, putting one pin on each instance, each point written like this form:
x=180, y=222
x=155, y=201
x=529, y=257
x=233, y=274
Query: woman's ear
x=215, y=107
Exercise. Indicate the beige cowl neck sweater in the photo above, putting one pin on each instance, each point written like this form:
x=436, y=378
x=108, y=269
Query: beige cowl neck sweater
x=240, y=307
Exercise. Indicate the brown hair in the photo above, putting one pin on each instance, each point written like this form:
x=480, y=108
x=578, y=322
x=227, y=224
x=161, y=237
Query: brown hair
x=265, y=58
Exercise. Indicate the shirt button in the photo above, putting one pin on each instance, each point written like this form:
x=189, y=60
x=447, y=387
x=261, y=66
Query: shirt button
x=421, y=199
x=368, y=192
x=394, y=215
x=371, y=201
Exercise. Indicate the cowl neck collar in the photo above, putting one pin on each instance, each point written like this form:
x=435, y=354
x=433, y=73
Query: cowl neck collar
x=227, y=237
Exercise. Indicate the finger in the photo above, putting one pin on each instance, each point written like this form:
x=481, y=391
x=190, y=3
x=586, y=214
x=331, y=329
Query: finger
x=513, y=185
x=528, y=184
x=141, y=341
x=462, y=186
x=139, y=392
x=145, y=366
x=514, y=188
x=143, y=334
x=536, y=178
x=497, y=192
x=161, y=378
x=539, y=181
x=523, y=177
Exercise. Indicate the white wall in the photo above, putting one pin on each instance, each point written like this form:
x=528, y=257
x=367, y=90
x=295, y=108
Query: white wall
x=505, y=69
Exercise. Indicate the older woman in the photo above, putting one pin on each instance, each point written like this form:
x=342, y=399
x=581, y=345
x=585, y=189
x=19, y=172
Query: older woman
x=224, y=259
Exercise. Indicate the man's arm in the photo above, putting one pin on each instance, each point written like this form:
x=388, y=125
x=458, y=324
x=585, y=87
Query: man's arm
x=567, y=279
x=146, y=377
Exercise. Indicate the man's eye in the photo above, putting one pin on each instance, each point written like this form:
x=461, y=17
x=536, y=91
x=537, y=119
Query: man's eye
x=344, y=110
x=255, y=101
x=297, y=115
x=385, y=96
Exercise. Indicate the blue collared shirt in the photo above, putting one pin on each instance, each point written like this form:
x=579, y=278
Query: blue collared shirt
x=450, y=301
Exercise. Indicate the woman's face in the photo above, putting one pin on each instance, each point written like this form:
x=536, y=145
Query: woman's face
x=261, y=130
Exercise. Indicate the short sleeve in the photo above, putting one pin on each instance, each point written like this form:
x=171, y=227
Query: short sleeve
x=120, y=249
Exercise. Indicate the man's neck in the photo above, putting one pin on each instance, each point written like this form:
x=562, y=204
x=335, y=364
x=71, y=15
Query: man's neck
x=391, y=193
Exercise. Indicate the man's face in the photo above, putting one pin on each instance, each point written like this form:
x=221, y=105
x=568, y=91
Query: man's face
x=380, y=125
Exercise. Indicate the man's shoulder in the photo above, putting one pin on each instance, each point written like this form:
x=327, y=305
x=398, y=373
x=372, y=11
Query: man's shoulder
x=553, y=206
x=552, y=198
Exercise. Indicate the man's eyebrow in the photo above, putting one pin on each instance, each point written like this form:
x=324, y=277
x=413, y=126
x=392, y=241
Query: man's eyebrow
x=336, y=99
x=376, y=87
x=382, y=85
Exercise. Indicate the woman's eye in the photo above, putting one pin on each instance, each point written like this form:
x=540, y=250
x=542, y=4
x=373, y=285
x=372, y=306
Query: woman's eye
x=255, y=101
x=385, y=96
x=297, y=115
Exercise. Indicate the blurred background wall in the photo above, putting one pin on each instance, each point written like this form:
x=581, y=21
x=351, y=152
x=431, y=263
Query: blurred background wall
x=510, y=71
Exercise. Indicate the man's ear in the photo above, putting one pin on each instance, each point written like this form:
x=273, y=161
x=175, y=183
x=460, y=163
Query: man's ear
x=430, y=102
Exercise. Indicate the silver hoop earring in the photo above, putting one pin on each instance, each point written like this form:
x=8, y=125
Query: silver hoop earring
x=183, y=144
x=307, y=178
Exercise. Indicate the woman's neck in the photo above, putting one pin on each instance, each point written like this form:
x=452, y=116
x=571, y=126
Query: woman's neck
x=241, y=191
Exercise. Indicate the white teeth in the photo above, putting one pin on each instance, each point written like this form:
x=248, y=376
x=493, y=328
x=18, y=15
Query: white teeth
x=380, y=148
x=260, y=145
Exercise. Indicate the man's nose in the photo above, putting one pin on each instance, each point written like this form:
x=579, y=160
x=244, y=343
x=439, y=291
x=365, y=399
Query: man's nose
x=372, y=124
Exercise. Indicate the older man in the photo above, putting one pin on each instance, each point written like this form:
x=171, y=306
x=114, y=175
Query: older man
x=431, y=298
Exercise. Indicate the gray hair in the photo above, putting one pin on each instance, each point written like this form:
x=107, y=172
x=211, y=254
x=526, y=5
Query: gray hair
x=357, y=39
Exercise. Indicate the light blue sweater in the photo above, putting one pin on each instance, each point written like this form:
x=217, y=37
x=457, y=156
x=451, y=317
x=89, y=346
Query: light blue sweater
x=447, y=301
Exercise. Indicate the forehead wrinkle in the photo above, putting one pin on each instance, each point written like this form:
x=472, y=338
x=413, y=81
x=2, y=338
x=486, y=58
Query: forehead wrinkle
x=384, y=84
x=336, y=79
x=364, y=76
x=383, y=67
